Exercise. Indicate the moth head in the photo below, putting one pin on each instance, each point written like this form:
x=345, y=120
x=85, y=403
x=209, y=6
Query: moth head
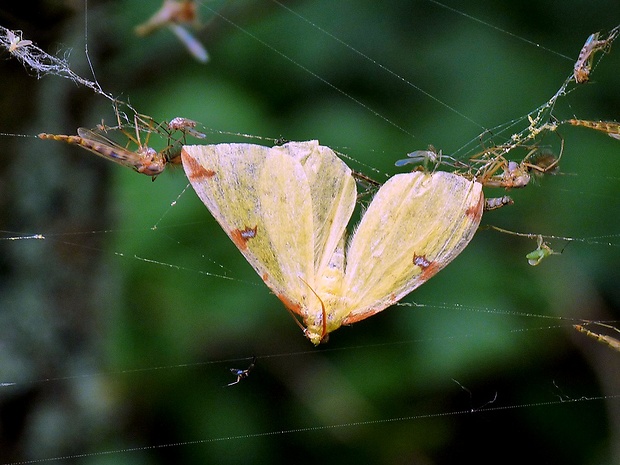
x=316, y=335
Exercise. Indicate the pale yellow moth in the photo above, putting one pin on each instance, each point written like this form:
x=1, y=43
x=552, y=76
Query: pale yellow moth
x=287, y=208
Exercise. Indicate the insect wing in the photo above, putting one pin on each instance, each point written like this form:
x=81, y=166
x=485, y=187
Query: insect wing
x=110, y=150
x=286, y=209
x=89, y=134
x=419, y=156
x=192, y=44
x=416, y=224
x=226, y=177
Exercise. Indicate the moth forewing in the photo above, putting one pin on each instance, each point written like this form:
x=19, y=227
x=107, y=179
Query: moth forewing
x=416, y=224
x=224, y=177
x=333, y=192
x=285, y=209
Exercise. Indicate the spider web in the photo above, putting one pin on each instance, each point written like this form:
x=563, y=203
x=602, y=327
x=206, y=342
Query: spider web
x=157, y=305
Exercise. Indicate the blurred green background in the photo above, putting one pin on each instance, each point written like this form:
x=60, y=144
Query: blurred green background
x=125, y=282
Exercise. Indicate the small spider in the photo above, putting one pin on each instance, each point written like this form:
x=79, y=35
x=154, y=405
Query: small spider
x=514, y=174
x=242, y=374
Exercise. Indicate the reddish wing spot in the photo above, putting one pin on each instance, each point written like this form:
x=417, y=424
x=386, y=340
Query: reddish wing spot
x=429, y=269
x=241, y=236
x=195, y=170
x=475, y=211
x=292, y=306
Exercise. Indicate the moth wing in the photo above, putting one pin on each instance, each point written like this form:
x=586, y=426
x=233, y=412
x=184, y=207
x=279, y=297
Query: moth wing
x=333, y=194
x=416, y=224
x=332, y=200
x=261, y=198
x=194, y=47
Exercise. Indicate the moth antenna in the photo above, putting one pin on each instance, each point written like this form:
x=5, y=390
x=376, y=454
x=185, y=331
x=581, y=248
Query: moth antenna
x=290, y=312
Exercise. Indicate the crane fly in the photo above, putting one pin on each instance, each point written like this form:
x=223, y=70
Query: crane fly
x=145, y=159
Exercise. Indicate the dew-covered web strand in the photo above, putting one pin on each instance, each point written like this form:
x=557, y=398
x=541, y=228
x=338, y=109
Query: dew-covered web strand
x=512, y=133
x=563, y=323
x=380, y=65
x=307, y=70
x=499, y=29
x=61, y=238
x=538, y=112
x=170, y=207
x=487, y=408
x=90, y=63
